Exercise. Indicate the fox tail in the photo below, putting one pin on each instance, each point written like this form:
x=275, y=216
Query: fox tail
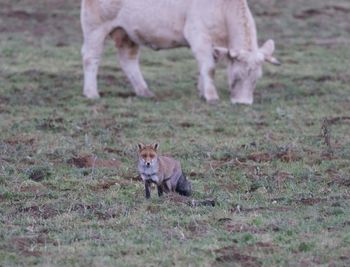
x=184, y=186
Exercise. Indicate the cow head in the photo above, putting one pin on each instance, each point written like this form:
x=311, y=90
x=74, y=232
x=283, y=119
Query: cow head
x=244, y=69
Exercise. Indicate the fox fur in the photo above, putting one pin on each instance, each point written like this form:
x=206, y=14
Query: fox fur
x=163, y=171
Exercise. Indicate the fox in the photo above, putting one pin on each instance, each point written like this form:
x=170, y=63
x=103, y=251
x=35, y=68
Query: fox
x=163, y=171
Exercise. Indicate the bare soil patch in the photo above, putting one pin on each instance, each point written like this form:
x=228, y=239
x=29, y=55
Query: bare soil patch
x=52, y=123
x=96, y=210
x=196, y=229
x=186, y=124
x=113, y=150
x=44, y=211
x=241, y=228
x=228, y=185
x=234, y=255
x=30, y=245
x=255, y=209
x=264, y=246
x=38, y=173
x=286, y=155
x=118, y=94
x=90, y=161
x=280, y=177
x=308, y=13
x=321, y=79
x=340, y=180
x=106, y=184
x=21, y=139
x=204, y=202
x=270, y=13
x=176, y=198
x=36, y=23
x=311, y=201
x=32, y=188
x=24, y=15
x=326, y=10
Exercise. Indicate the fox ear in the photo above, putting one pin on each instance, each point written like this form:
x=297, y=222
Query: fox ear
x=156, y=146
x=140, y=146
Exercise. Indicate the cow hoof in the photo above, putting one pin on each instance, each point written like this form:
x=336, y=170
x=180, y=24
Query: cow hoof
x=242, y=101
x=91, y=95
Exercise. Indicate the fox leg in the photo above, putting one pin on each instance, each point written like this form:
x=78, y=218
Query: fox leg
x=160, y=190
x=147, y=189
x=168, y=185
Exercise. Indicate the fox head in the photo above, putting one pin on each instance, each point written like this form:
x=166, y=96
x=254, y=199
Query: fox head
x=147, y=154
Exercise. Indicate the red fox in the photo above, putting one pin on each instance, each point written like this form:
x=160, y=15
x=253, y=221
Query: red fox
x=165, y=172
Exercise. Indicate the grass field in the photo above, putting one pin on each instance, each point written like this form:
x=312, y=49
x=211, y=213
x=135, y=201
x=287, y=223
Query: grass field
x=278, y=171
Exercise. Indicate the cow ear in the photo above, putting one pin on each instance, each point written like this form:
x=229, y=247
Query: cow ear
x=267, y=50
x=220, y=53
x=155, y=146
x=140, y=146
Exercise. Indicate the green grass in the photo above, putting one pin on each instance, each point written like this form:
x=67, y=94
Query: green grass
x=282, y=195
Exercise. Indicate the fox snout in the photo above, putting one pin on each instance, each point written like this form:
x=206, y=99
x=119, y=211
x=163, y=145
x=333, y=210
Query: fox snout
x=147, y=162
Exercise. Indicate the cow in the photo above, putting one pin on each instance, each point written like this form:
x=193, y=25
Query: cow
x=213, y=29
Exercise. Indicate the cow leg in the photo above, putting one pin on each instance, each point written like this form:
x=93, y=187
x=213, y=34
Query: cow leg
x=207, y=73
x=91, y=53
x=204, y=55
x=129, y=52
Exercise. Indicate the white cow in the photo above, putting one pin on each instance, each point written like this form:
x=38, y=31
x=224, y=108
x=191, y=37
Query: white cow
x=213, y=29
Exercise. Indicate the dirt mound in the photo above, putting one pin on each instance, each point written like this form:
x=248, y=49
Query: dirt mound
x=234, y=255
x=90, y=161
x=44, y=211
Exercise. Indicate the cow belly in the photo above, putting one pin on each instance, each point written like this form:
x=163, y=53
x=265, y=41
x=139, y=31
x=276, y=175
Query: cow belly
x=155, y=34
x=153, y=23
x=159, y=40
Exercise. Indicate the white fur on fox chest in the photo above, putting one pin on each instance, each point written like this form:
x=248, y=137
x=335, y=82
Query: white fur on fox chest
x=153, y=176
x=149, y=173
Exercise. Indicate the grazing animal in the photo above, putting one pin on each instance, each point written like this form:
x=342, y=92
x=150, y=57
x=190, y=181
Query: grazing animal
x=163, y=171
x=213, y=29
